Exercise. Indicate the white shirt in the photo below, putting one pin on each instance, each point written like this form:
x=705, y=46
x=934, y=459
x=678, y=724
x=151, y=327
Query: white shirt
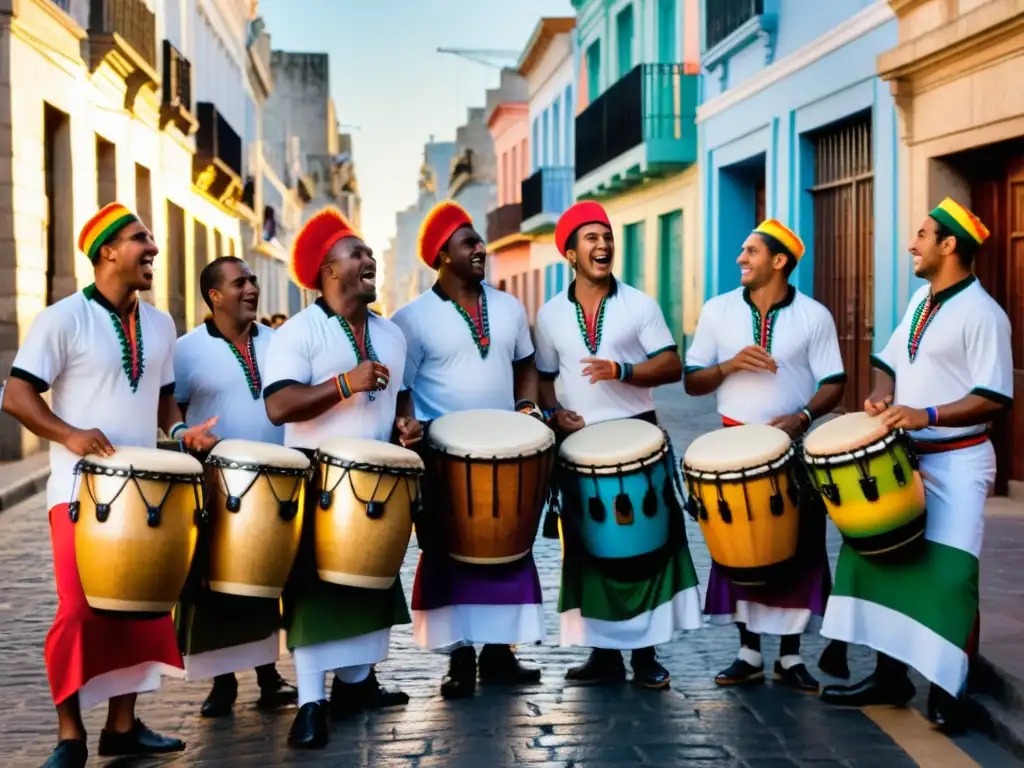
x=964, y=349
x=212, y=378
x=632, y=330
x=798, y=333
x=445, y=369
x=75, y=346
x=311, y=348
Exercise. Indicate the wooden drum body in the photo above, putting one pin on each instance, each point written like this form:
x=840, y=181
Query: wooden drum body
x=623, y=477
x=867, y=477
x=740, y=484
x=492, y=470
x=369, y=492
x=136, y=518
x=256, y=504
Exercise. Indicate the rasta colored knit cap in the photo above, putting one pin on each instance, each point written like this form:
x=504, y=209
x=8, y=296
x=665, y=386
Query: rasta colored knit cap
x=787, y=237
x=438, y=226
x=578, y=215
x=318, y=235
x=960, y=221
x=98, y=230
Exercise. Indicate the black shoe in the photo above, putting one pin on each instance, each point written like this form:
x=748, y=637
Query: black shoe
x=140, y=740
x=222, y=697
x=460, y=681
x=309, y=729
x=873, y=690
x=833, y=660
x=647, y=671
x=351, y=698
x=602, y=667
x=796, y=677
x=498, y=664
x=276, y=692
x=946, y=712
x=740, y=672
x=69, y=753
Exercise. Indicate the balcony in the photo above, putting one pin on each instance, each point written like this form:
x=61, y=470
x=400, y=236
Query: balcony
x=177, y=107
x=217, y=165
x=724, y=17
x=641, y=128
x=503, y=221
x=729, y=25
x=546, y=196
x=122, y=34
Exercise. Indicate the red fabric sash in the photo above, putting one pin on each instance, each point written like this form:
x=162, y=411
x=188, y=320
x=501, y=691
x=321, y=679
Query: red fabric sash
x=953, y=444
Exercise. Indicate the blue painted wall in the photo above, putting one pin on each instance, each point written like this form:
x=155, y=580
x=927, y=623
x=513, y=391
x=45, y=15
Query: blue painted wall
x=769, y=129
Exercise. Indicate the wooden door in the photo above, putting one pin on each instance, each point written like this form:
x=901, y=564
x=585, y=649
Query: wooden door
x=844, y=229
x=759, y=205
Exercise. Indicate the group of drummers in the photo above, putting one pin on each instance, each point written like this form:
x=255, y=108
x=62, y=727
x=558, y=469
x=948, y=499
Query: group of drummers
x=208, y=492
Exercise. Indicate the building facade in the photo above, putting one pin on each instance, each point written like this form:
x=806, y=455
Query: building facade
x=472, y=179
x=954, y=69
x=636, y=142
x=795, y=125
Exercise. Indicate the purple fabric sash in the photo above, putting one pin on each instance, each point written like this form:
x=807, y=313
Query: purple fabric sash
x=441, y=582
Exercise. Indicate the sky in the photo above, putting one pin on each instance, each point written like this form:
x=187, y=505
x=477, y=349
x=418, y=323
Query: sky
x=388, y=80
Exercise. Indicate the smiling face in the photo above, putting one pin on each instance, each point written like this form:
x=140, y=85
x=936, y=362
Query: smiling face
x=351, y=263
x=929, y=249
x=758, y=266
x=465, y=255
x=237, y=294
x=130, y=256
x=594, y=253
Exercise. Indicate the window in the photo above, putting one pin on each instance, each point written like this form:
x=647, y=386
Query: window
x=624, y=38
x=523, y=155
x=667, y=31
x=514, y=173
x=594, y=71
x=723, y=17
x=536, y=143
x=670, y=269
x=556, y=133
x=569, y=126
x=503, y=187
x=633, y=255
x=545, y=137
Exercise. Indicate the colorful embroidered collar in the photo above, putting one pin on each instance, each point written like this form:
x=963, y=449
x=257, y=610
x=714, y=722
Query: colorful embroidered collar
x=246, y=357
x=479, y=322
x=591, y=327
x=129, y=335
x=926, y=311
x=764, y=327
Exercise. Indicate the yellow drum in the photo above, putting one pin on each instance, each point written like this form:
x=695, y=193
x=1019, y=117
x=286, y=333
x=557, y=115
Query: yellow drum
x=255, y=497
x=369, y=491
x=136, y=518
x=868, y=479
x=740, y=486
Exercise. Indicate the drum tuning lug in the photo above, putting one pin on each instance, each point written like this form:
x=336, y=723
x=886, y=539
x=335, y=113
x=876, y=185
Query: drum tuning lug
x=831, y=492
x=623, y=509
x=73, y=508
x=724, y=512
x=869, y=487
x=325, y=500
x=776, y=505
x=233, y=504
x=650, y=503
x=793, y=491
x=899, y=474
x=287, y=510
x=102, y=512
x=597, y=511
x=375, y=509
x=912, y=459
x=702, y=510
x=152, y=516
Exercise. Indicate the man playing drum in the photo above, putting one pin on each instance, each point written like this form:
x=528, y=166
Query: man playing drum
x=946, y=372
x=469, y=348
x=608, y=345
x=771, y=355
x=217, y=372
x=328, y=375
x=109, y=359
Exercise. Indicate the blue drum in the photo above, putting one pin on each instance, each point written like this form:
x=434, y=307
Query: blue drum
x=620, y=473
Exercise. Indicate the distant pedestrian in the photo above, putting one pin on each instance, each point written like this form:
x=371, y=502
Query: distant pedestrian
x=277, y=320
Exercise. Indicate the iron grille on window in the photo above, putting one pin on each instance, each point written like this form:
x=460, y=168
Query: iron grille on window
x=177, y=78
x=723, y=17
x=217, y=139
x=130, y=19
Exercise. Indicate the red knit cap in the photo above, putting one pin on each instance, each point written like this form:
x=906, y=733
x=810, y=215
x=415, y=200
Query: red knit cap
x=586, y=212
x=317, y=236
x=438, y=226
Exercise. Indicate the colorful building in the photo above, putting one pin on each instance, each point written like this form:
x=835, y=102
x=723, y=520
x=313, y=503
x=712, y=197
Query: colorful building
x=796, y=125
x=636, y=142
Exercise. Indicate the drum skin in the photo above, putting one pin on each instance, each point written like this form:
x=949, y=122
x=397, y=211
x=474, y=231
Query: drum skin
x=126, y=565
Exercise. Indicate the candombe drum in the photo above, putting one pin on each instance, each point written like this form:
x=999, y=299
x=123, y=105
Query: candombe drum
x=136, y=518
x=369, y=492
x=621, y=476
x=867, y=477
x=744, y=497
x=255, y=501
x=493, y=471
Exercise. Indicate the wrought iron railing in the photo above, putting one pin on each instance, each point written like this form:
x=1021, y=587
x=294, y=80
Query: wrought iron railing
x=723, y=17
x=549, y=190
x=131, y=20
x=216, y=139
x=177, y=78
x=504, y=221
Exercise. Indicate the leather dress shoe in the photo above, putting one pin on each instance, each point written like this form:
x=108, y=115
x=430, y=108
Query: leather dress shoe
x=796, y=677
x=647, y=671
x=874, y=690
x=460, y=681
x=309, y=729
x=69, y=753
x=221, y=697
x=498, y=664
x=276, y=692
x=946, y=712
x=351, y=698
x=740, y=672
x=602, y=667
x=833, y=661
x=140, y=740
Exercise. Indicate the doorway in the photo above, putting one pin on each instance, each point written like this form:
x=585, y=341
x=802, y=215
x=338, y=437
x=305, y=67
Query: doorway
x=57, y=173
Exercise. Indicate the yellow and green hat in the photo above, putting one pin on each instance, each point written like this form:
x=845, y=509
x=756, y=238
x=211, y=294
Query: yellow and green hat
x=110, y=220
x=786, y=236
x=960, y=221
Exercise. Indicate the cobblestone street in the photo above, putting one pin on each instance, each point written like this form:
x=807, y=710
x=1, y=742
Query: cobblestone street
x=550, y=724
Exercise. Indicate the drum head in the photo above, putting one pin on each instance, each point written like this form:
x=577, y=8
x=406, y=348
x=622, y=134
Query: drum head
x=618, y=444
x=259, y=454
x=490, y=434
x=844, y=434
x=358, y=450
x=734, y=448
x=146, y=460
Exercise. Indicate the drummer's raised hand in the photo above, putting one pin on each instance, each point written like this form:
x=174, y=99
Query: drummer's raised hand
x=568, y=421
x=200, y=438
x=904, y=417
x=410, y=430
x=82, y=442
x=752, y=358
x=369, y=376
x=600, y=370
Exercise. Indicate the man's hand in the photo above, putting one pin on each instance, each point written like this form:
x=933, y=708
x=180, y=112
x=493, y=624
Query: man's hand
x=794, y=425
x=410, y=430
x=599, y=370
x=200, y=438
x=82, y=442
x=904, y=417
x=751, y=358
x=875, y=404
x=369, y=376
x=568, y=421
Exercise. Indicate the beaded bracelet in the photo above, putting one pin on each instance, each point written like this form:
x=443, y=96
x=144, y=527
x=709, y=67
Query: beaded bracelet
x=933, y=416
x=807, y=412
x=344, y=387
